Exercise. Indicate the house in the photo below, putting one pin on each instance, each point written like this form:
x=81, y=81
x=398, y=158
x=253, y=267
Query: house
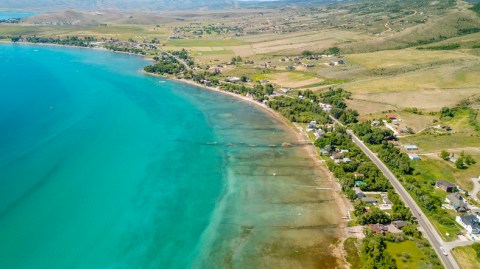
x=325, y=107
x=445, y=185
x=470, y=223
x=337, y=156
x=347, y=160
x=387, y=201
x=318, y=133
x=378, y=228
x=369, y=200
x=233, y=79
x=456, y=201
x=410, y=147
x=344, y=150
x=359, y=176
x=414, y=157
x=359, y=192
x=391, y=116
x=399, y=223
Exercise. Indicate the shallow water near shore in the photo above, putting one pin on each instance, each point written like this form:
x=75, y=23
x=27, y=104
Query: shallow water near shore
x=105, y=167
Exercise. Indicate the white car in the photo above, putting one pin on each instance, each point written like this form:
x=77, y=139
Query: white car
x=443, y=251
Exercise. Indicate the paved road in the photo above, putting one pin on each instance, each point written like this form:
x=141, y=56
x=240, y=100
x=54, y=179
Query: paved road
x=476, y=188
x=428, y=230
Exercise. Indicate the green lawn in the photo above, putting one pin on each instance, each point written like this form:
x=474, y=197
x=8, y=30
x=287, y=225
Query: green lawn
x=205, y=42
x=407, y=255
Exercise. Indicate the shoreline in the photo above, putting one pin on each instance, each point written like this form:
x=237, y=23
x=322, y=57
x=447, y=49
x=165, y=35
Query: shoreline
x=341, y=202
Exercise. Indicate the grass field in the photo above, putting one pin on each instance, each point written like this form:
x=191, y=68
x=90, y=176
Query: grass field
x=205, y=42
x=407, y=255
x=395, y=58
x=466, y=257
x=290, y=79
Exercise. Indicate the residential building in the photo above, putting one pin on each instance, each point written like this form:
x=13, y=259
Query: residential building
x=410, y=147
x=470, y=223
x=379, y=228
x=456, y=201
x=359, y=192
x=369, y=200
x=445, y=186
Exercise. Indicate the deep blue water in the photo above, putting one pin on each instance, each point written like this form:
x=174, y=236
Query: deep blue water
x=10, y=15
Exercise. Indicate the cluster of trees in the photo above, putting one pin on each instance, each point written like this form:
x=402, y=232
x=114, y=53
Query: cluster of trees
x=373, y=136
x=464, y=160
x=395, y=159
x=125, y=49
x=345, y=172
x=67, y=41
x=452, y=46
x=166, y=64
x=336, y=98
x=373, y=253
x=258, y=92
x=298, y=109
x=236, y=59
x=183, y=54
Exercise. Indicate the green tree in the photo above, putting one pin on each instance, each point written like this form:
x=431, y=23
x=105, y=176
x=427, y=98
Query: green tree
x=444, y=155
x=459, y=163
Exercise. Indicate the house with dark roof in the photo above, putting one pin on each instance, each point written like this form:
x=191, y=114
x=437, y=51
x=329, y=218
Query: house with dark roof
x=359, y=192
x=445, y=185
x=457, y=202
x=470, y=223
x=378, y=228
x=399, y=223
x=369, y=200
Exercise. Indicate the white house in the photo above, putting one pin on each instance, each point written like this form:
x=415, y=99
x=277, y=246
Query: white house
x=470, y=223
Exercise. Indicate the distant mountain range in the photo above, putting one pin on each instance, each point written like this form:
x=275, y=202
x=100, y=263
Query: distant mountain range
x=167, y=5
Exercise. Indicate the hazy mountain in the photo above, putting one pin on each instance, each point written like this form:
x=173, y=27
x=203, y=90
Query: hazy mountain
x=42, y=5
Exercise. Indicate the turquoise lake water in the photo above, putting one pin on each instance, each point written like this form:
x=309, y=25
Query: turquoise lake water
x=105, y=167
x=10, y=15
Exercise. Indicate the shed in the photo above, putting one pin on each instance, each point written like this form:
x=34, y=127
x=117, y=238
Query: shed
x=414, y=157
x=410, y=147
